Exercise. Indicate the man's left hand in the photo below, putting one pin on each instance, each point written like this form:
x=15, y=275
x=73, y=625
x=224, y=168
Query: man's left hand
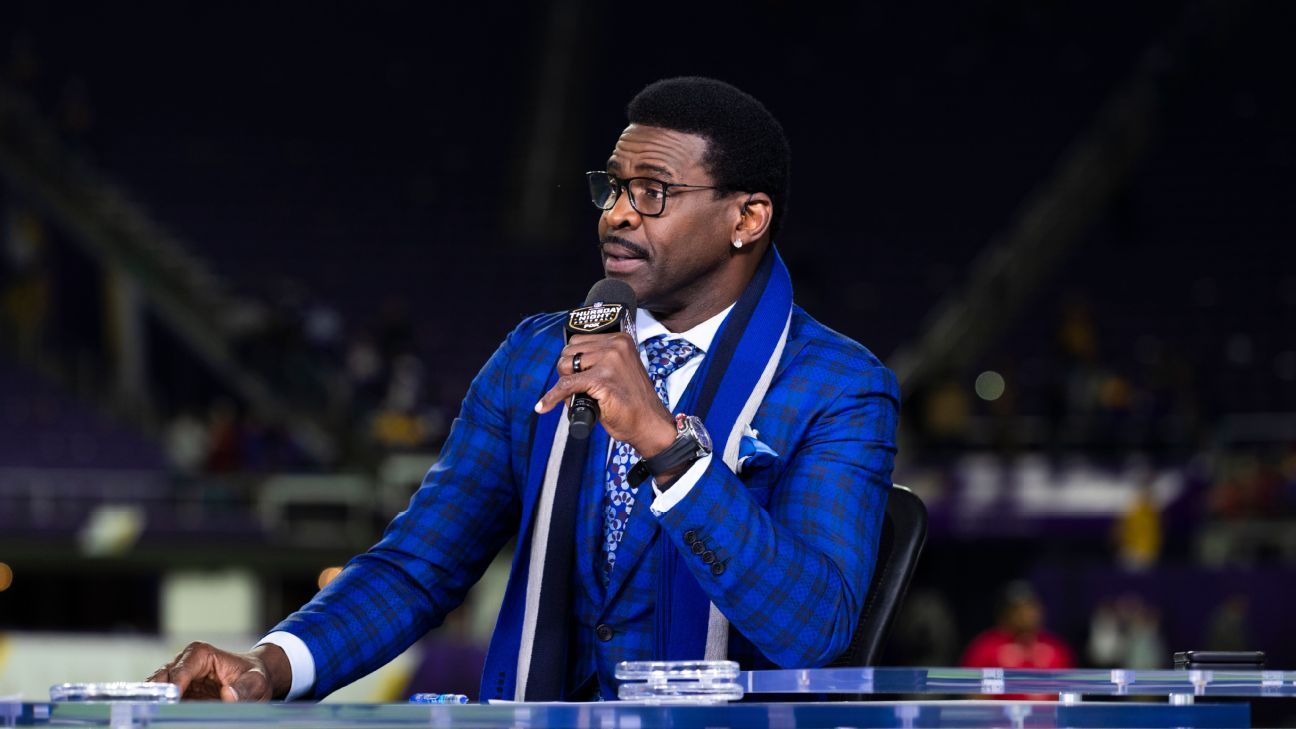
x=612, y=373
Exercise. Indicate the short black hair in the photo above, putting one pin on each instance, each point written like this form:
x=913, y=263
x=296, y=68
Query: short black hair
x=747, y=149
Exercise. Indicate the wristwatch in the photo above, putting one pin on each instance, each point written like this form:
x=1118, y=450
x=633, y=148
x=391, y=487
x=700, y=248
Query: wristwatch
x=691, y=443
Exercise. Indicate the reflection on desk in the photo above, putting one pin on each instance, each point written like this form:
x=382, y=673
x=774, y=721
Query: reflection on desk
x=1062, y=682
x=902, y=715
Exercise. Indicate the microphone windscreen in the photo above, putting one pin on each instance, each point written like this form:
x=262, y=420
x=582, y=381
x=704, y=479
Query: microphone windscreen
x=613, y=291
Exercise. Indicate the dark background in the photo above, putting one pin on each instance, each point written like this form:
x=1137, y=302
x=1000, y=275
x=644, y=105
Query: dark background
x=403, y=182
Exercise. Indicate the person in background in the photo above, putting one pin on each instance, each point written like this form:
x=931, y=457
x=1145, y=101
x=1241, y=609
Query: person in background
x=1018, y=638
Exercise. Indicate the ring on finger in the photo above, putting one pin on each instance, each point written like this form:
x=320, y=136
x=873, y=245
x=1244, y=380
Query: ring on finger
x=576, y=362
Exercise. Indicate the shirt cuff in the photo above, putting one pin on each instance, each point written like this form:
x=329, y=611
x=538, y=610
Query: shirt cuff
x=664, y=500
x=299, y=659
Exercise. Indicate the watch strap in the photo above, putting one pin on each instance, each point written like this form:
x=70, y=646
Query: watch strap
x=684, y=450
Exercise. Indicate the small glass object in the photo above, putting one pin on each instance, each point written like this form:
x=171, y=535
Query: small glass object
x=144, y=691
x=438, y=699
x=678, y=681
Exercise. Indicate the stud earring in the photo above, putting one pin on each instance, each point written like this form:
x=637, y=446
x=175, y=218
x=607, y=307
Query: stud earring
x=738, y=243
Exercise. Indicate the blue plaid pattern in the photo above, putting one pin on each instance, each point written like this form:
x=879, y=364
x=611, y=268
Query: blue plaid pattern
x=798, y=537
x=664, y=357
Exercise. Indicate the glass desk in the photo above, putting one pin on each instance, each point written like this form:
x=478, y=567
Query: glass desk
x=615, y=715
x=1152, y=700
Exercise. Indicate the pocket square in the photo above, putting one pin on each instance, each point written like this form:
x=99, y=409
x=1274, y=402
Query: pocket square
x=752, y=452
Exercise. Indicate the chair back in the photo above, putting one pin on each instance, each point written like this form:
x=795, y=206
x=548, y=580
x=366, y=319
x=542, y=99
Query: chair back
x=904, y=531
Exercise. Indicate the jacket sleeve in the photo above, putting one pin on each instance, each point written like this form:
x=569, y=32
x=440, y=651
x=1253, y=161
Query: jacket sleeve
x=788, y=561
x=431, y=553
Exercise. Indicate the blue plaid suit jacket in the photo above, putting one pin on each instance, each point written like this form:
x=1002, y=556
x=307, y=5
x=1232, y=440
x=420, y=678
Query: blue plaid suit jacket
x=787, y=549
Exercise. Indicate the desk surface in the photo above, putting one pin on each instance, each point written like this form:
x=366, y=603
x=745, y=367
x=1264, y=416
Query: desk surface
x=902, y=715
x=1177, y=704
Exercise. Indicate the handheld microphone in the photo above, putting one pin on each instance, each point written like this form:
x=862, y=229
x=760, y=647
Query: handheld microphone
x=609, y=307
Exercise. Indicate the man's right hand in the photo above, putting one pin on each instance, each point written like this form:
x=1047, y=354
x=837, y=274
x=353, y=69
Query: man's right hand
x=202, y=671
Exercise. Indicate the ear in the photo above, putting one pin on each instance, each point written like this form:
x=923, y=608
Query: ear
x=754, y=219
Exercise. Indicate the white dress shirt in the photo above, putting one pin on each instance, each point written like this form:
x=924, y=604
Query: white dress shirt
x=646, y=327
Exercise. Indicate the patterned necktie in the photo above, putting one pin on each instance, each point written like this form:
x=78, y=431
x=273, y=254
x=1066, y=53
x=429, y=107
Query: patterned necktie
x=664, y=357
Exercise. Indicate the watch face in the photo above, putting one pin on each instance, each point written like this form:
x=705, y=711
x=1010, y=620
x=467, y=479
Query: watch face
x=700, y=432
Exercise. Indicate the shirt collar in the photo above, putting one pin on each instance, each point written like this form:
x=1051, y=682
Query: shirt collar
x=700, y=336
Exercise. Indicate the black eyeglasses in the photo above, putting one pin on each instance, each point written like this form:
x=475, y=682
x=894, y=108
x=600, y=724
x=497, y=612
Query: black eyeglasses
x=647, y=195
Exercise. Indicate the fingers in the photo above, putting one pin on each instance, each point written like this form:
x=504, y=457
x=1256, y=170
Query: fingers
x=598, y=347
x=608, y=362
x=565, y=387
x=201, y=671
x=587, y=341
x=193, y=671
x=593, y=349
x=175, y=671
x=601, y=352
x=588, y=359
x=567, y=362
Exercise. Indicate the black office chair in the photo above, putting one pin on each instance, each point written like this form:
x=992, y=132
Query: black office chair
x=904, y=531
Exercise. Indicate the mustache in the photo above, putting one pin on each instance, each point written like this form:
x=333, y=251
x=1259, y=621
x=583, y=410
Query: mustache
x=636, y=249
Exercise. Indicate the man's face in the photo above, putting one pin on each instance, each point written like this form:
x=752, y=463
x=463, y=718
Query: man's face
x=669, y=260
x=1026, y=617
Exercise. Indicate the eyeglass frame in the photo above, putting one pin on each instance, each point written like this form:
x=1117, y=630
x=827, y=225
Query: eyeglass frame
x=623, y=184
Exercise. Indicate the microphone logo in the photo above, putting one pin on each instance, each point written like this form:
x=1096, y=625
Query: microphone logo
x=596, y=319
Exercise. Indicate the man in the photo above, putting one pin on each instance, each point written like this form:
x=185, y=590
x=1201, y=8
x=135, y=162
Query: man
x=760, y=551
x=1018, y=638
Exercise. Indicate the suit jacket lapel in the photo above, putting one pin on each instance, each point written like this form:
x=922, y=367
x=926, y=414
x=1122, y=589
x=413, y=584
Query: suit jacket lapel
x=790, y=350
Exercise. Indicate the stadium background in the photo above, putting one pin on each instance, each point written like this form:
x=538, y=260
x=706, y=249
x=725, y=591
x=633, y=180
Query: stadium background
x=253, y=254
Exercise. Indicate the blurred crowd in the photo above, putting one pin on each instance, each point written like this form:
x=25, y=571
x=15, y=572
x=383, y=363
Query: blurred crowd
x=371, y=388
x=1115, y=630
x=1067, y=395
